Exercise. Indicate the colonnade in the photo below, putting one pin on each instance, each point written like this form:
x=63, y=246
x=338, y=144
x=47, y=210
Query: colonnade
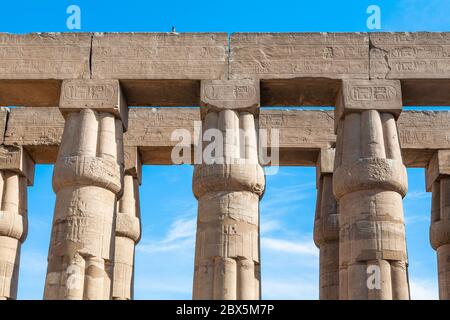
x=359, y=225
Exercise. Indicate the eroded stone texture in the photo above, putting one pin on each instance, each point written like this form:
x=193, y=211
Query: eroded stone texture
x=16, y=173
x=160, y=55
x=38, y=130
x=326, y=227
x=293, y=55
x=87, y=182
x=128, y=227
x=438, y=182
x=3, y=120
x=302, y=133
x=421, y=133
x=228, y=188
x=45, y=55
x=369, y=182
x=405, y=55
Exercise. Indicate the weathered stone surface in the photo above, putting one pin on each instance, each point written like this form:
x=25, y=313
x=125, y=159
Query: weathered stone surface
x=3, y=120
x=302, y=133
x=440, y=219
x=227, y=262
x=16, y=173
x=299, y=92
x=30, y=93
x=38, y=130
x=98, y=95
x=159, y=56
x=421, y=132
x=293, y=55
x=325, y=162
x=128, y=228
x=326, y=227
x=133, y=162
x=429, y=92
x=357, y=96
x=87, y=180
x=439, y=166
x=45, y=55
x=161, y=93
x=151, y=129
x=17, y=160
x=405, y=55
x=241, y=95
x=369, y=182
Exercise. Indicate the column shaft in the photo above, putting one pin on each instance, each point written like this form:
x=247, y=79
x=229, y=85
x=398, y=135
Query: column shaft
x=228, y=190
x=438, y=180
x=87, y=180
x=369, y=183
x=326, y=238
x=16, y=173
x=128, y=228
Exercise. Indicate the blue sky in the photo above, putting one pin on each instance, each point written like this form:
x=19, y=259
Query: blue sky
x=164, y=260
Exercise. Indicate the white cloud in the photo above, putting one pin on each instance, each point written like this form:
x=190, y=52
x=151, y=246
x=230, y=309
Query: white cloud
x=294, y=247
x=286, y=199
x=424, y=289
x=181, y=234
x=181, y=229
x=417, y=218
x=269, y=226
x=417, y=195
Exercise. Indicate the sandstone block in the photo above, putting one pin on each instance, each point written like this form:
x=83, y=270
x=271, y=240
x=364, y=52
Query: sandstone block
x=133, y=162
x=358, y=96
x=405, y=55
x=438, y=166
x=159, y=56
x=293, y=55
x=17, y=159
x=45, y=55
x=242, y=95
x=98, y=95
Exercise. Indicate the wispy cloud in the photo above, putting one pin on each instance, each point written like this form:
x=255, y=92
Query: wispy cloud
x=417, y=218
x=424, y=289
x=181, y=234
x=269, y=226
x=417, y=195
x=287, y=199
x=288, y=246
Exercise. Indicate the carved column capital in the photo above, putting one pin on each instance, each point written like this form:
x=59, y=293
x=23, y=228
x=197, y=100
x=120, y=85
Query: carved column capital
x=362, y=95
x=438, y=167
x=17, y=159
x=325, y=163
x=98, y=95
x=237, y=95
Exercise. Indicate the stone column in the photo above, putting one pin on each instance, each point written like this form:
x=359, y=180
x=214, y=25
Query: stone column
x=438, y=181
x=16, y=173
x=326, y=227
x=87, y=182
x=128, y=227
x=228, y=188
x=369, y=183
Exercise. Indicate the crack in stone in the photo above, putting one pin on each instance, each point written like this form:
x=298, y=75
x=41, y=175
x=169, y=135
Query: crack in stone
x=90, y=57
x=386, y=58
